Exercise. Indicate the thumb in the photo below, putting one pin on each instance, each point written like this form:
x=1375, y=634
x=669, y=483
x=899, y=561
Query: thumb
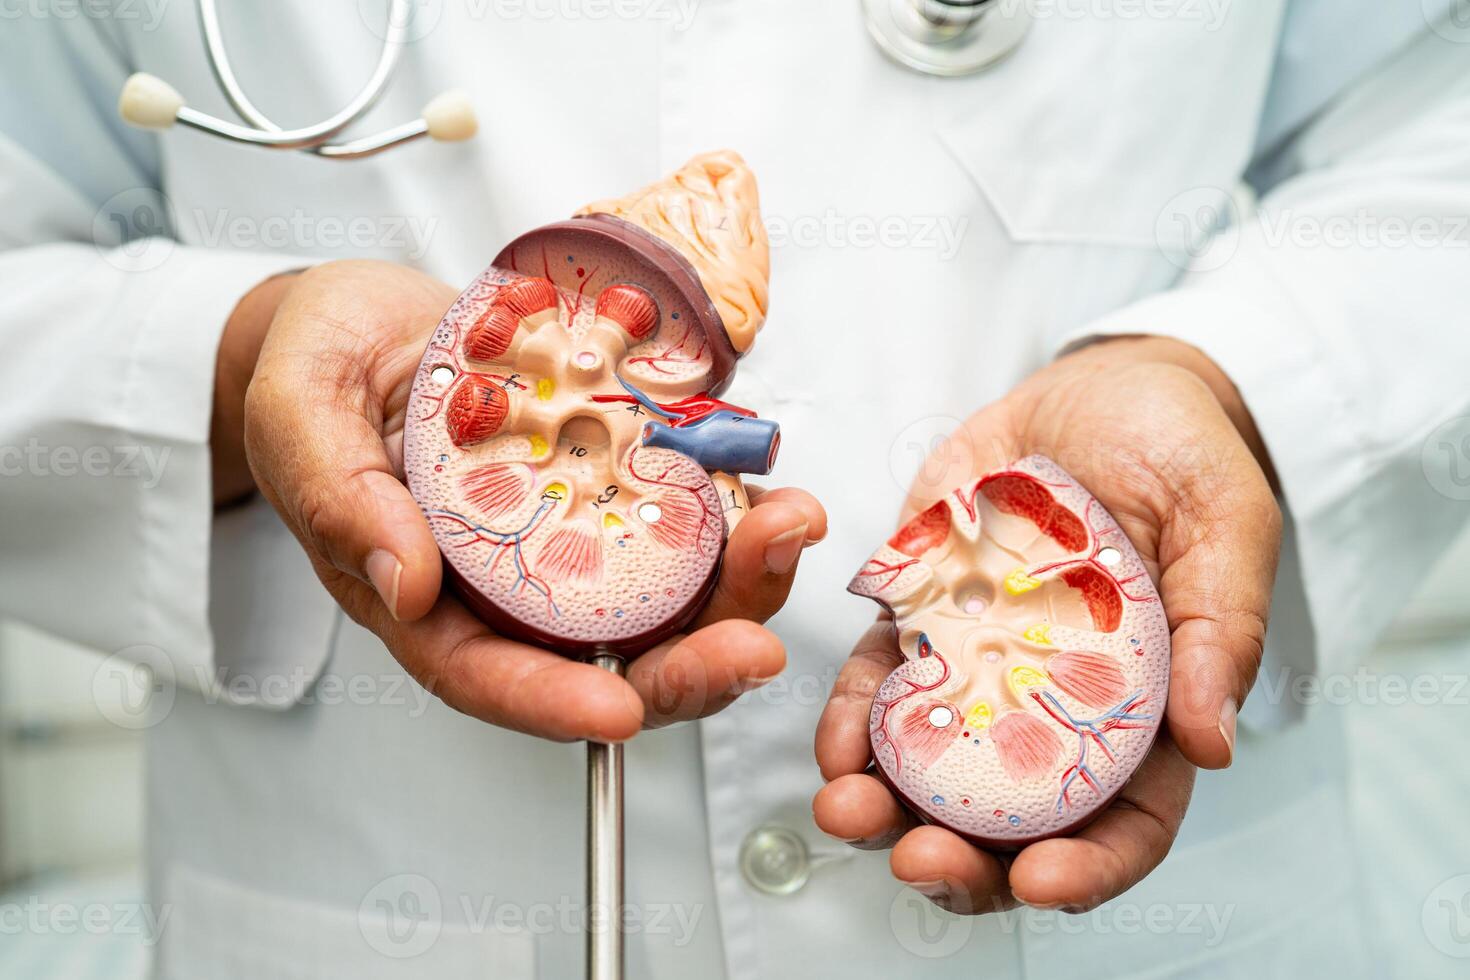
x=318, y=456
x=1218, y=549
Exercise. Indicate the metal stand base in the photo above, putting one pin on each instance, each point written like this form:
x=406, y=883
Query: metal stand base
x=605, y=851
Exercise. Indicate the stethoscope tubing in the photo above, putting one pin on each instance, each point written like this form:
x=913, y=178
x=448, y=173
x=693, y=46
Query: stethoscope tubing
x=264, y=132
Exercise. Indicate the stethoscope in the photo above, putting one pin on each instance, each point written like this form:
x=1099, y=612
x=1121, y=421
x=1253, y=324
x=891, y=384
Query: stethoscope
x=947, y=37
x=937, y=37
x=149, y=102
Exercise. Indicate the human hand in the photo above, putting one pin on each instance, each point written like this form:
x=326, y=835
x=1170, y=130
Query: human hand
x=323, y=430
x=1160, y=437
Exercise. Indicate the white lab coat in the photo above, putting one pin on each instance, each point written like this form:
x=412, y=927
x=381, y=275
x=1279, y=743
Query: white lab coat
x=934, y=240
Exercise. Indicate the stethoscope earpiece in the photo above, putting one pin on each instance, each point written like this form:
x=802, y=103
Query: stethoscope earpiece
x=149, y=102
x=449, y=117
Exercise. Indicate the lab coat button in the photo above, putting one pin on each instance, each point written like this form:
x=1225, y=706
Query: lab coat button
x=774, y=860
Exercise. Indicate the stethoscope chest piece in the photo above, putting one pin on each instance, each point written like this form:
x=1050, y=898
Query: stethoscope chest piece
x=947, y=37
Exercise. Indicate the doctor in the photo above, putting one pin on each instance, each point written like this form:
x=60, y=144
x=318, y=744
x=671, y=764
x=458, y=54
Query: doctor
x=937, y=243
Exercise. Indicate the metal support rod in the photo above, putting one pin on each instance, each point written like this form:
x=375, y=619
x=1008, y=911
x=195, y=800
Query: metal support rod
x=605, y=851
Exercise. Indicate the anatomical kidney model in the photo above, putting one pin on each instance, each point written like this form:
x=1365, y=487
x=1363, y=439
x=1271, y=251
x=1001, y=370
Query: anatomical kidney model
x=564, y=438
x=1038, y=657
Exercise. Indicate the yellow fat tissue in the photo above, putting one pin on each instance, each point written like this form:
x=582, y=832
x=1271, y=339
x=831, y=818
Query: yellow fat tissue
x=1023, y=679
x=1019, y=583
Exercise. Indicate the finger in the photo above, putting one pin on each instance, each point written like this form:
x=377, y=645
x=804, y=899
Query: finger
x=842, y=744
x=312, y=435
x=1114, y=852
x=984, y=442
x=508, y=684
x=697, y=675
x=760, y=559
x=859, y=810
x=1218, y=550
x=816, y=514
x=951, y=872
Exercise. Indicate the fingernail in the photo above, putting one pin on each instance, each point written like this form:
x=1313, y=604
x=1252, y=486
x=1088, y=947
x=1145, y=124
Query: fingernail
x=1228, y=712
x=384, y=571
x=783, y=549
x=747, y=684
x=935, y=891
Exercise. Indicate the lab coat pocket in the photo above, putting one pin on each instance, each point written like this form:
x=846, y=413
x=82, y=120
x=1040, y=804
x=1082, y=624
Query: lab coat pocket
x=1115, y=130
x=403, y=927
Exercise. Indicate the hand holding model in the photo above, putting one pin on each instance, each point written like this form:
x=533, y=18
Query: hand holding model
x=1159, y=436
x=324, y=415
